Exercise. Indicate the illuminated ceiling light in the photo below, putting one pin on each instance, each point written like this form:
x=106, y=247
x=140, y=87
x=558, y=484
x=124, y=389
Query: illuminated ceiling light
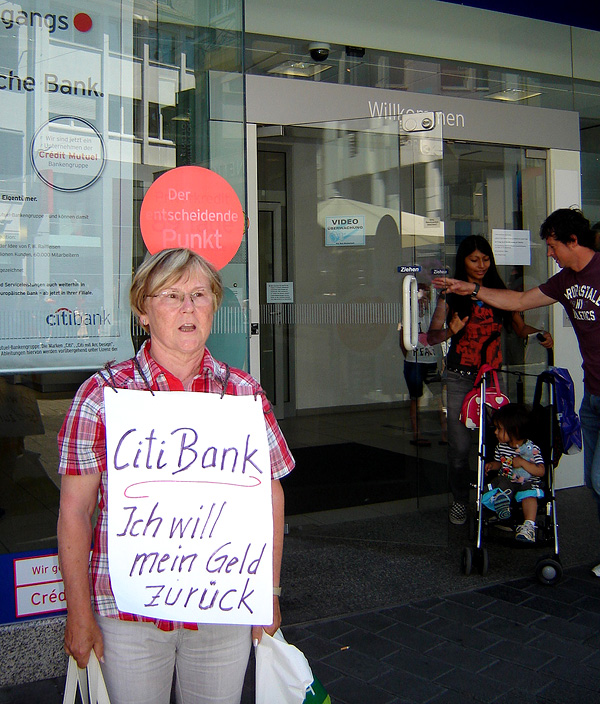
x=513, y=95
x=302, y=69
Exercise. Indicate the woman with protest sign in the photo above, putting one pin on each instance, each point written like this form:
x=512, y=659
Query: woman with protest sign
x=174, y=294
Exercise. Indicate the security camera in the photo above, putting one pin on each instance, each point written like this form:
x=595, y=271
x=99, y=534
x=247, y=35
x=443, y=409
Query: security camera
x=418, y=122
x=319, y=51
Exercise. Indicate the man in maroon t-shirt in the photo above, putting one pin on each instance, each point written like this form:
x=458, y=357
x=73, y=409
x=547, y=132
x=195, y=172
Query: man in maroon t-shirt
x=571, y=243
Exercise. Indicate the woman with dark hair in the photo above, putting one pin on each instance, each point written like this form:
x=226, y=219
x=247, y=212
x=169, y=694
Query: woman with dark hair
x=474, y=329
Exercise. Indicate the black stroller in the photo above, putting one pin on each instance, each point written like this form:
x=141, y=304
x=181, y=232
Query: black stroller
x=548, y=569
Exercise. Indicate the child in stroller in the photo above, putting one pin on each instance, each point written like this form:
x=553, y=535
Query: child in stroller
x=520, y=467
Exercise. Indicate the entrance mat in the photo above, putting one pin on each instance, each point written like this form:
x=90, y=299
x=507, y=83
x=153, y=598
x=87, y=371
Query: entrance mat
x=352, y=474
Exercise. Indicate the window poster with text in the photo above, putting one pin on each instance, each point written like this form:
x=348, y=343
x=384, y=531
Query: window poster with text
x=65, y=185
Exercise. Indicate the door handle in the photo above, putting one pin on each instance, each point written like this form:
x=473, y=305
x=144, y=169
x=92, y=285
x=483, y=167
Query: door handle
x=410, y=313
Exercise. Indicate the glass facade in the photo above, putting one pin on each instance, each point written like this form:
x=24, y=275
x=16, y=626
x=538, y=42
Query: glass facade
x=384, y=69
x=329, y=354
x=347, y=210
x=96, y=105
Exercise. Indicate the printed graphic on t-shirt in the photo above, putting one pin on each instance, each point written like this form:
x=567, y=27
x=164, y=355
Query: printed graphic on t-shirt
x=530, y=452
x=480, y=342
x=505, y=454
x=578, y=293
x=578, y=296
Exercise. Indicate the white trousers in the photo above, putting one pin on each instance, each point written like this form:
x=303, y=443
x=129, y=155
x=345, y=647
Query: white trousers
x=139, y=661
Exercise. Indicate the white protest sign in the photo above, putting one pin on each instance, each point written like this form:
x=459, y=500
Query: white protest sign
x=190, y=528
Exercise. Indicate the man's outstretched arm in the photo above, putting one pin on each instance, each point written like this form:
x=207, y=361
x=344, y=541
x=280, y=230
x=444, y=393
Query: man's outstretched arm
x=497, y=297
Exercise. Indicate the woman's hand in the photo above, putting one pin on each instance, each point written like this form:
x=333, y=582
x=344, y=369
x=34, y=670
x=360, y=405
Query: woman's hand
x=457, y=323
x=547, y=342
x=81, y=635
x=257, y=631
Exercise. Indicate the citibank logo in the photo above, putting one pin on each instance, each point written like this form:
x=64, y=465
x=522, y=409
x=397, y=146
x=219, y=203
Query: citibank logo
x=65, y=317
x=52, y=22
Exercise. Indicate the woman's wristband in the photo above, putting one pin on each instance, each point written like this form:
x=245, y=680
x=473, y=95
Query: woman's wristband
x=276, y=591
x=475, y=291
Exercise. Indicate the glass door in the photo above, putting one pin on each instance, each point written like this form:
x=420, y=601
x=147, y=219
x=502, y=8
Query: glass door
x=274, y=343
x=500, y=192
x=423, y=252
x=275, y=289
x=362, y=208
x=367, y=213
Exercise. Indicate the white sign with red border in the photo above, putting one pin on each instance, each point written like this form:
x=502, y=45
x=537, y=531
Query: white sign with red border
x=39, y=587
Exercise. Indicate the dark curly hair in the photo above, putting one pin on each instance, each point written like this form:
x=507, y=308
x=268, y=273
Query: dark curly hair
x=565, y=223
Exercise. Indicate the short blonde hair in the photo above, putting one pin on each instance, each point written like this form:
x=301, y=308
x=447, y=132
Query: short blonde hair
x=161, y=270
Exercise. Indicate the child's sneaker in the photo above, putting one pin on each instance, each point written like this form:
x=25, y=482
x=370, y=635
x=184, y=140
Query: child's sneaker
x=526, y=532
x=501, y=505
x=458, y=514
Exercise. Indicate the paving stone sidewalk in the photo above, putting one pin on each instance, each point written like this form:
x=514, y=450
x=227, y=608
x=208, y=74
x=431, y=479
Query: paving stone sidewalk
x=518, y=642
x=384, y=619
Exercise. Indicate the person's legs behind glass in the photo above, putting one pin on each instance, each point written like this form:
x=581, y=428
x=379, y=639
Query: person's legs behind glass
x=460, y=439
x=413, y=375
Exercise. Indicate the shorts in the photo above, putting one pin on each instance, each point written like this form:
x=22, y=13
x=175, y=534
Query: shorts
x=513, y=490
x=419, y=373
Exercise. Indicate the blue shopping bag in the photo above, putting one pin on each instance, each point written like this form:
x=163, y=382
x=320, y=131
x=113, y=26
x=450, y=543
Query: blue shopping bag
x=566, y=415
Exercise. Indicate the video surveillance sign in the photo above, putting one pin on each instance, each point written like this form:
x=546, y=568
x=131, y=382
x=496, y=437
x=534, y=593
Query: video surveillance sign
x=345, y=231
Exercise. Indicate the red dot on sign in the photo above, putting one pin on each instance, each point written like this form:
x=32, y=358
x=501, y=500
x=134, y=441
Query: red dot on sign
x=82, y=22
x=194, y=208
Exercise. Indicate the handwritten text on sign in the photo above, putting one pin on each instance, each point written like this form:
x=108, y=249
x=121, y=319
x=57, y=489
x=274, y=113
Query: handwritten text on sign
x=190, y=529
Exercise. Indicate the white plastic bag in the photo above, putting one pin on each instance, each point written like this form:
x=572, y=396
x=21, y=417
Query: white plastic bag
x=282, y=672
x=89, y=681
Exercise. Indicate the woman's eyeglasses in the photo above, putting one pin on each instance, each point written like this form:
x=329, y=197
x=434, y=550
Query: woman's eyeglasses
x=175, y=299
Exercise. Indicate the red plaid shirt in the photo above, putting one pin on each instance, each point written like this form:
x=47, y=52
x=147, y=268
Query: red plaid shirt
x=82, y=446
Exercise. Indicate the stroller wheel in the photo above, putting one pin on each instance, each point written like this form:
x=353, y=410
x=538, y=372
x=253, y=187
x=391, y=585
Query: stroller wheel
x=548, y=571
x=483, y=562
x=466, y=563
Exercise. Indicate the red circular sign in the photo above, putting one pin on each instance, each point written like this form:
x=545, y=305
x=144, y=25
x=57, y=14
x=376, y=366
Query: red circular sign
x=82, y=22
x=195, y=208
